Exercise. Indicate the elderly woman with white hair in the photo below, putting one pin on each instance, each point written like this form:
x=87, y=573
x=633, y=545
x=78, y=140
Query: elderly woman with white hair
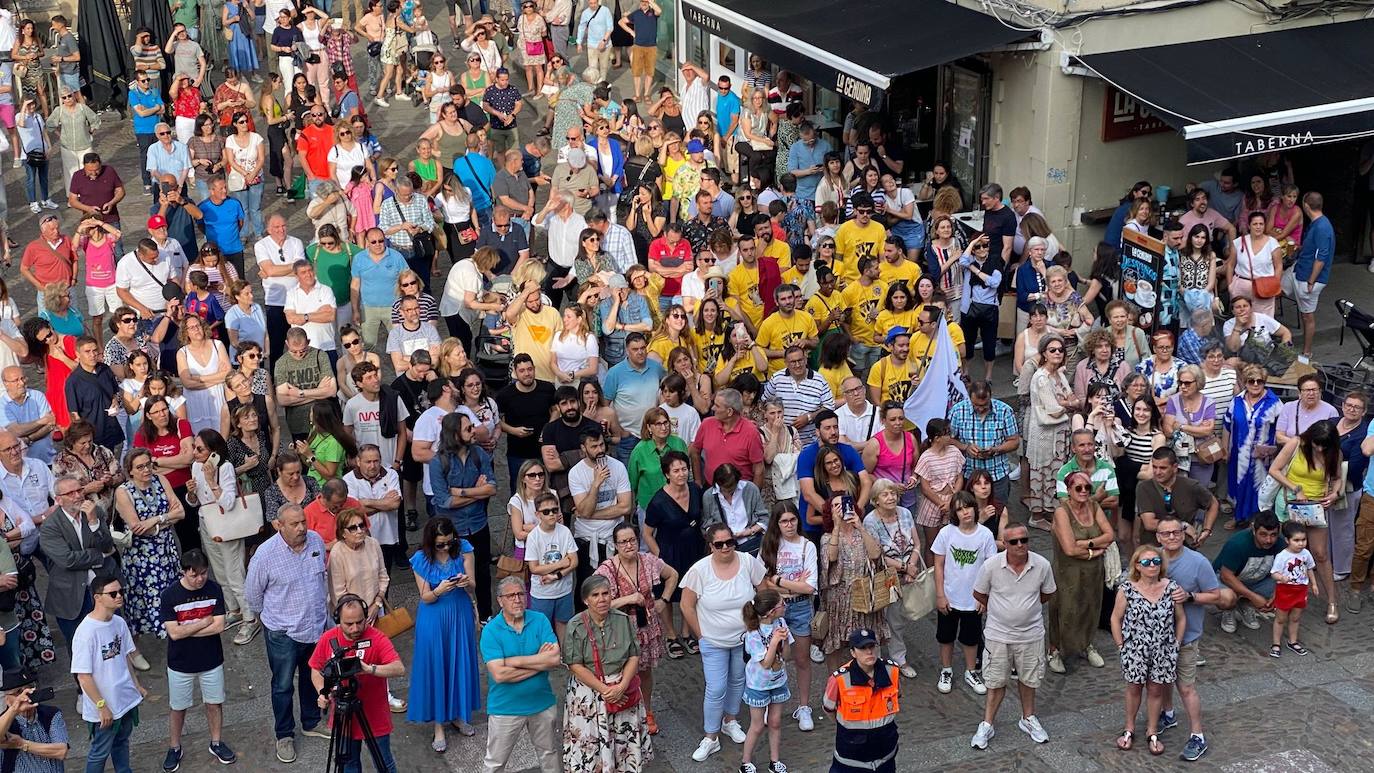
x=329, y=206
x=1200, y=332
x=1190, y=418
x=1067, y=314
x=1031, y=280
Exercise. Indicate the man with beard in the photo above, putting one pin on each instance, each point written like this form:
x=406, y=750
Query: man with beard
x=786, y=328
x=561, y=439
x=525, y=405
x=410, y=386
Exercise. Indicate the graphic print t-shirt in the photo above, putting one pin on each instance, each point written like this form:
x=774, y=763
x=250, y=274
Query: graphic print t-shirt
x=964, y=556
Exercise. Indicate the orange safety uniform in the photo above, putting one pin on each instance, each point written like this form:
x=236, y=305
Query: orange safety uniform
x=865, y=717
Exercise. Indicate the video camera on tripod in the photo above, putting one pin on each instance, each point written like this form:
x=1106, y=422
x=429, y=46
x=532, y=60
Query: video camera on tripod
x=343, y=666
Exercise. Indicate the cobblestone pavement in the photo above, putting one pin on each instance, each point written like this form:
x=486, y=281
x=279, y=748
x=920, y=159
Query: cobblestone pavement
x=1261, y=715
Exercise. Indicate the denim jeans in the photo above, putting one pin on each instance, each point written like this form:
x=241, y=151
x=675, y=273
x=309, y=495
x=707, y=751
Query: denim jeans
x=36, y=181
x=111, y=743
x=145, y=141
x=724, y=669
x=354, y=764
x=289, y=660
x=251, y=200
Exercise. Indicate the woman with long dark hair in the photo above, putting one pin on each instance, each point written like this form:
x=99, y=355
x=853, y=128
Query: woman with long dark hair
x=792, y=565
x=58, y=354
x=329, y=445
x=445, y=685
x=169, y=439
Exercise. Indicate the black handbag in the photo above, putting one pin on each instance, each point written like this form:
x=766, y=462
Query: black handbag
x=374, y=49
x=36, y=157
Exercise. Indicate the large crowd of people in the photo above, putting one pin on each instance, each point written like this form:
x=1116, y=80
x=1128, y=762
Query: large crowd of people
x=692, y=322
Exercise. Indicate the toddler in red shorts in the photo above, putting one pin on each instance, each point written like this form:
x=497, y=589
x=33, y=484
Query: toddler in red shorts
x=1292, y=572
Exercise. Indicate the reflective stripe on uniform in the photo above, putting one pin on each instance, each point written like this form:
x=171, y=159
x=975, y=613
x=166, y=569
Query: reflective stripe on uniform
x=866, y=724
x=874, y=765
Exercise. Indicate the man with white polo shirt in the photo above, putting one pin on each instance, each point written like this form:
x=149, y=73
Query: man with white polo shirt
x=141, y=278
x=276, y=255
x=377, y=487
x=310, y=305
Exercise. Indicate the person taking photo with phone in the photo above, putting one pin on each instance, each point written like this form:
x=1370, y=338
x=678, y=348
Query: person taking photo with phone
x=31, y=728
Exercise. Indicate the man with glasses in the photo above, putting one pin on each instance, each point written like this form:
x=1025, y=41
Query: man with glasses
x=706, y=280
x=858, y=417
x=519, y=649
x=861, y=237
x=277, y=254
x=102, y=653
x=192, y=612
x=26, y=484
x=984, y=430
x=167, y=156
x=373, y=285
x=145, y=102
x=786, y=328
x=575, y=179
x=28, y=415
x=1171, y=494
x=224, y=217
x=804, y=392
x=77, y=543
x=510, y=242
x=313, y=143
x=806, y=160
x=1011, y=587
x=310, y=306
x=91, y=392
x=286, y=589
x=1198, y=587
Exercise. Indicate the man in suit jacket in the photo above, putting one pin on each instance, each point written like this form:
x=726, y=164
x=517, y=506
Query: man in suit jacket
x=77, y=542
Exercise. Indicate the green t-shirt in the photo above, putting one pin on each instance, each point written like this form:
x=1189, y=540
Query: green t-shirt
x=305, y=373
x=326, y=448
x=646, y=470
x=185, y=12
x=335, y=269
x=1246, y=560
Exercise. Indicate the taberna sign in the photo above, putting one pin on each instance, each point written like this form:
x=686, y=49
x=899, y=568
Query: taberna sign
x=778, y=52
x=1222, y=145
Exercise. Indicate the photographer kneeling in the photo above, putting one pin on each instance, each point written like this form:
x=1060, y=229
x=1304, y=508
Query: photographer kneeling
x=359, y=658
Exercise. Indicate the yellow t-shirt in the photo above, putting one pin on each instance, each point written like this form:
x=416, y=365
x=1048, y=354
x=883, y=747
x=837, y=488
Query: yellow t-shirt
x=711, y=345
x=781, y=251
x=669, y=169
x=746, y=365
x=533, y=335
x=846, y=271
x=906, y=271
x=663, y=346
x=920, y=342
x=744, y=287
x=835, y=377
x=853, y=242
x=866, y=303
x=779, y=333
x=792, y=277
x=819, y=307
x=890, y=319
x=893, y=381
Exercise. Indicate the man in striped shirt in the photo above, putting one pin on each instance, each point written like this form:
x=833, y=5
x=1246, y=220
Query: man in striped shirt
x=802, y=391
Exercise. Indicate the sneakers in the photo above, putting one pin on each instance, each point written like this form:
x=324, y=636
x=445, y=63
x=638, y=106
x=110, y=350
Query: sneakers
x=34, y=208
x=946, y=682
x=816, y=655
x=1167, y=721
x=747, y=767
x=172, y=761
x=985, y=733
x=1094, y=659
x=974, y=679
x=247, y=632
x=139, y=662
x=381, y=102
x=318, y=731
x=804, y=721
x=397, y=705
x=233, y=620
x=1249, y=618
x=1056, y=663
x=1031, y=727
x=907, y=670
x=1228, y=621
x=706, y=748
x=1197, y=746
x=412, y=520
x=48, y=204
x=733, y=730
x=776, y=766
x=286, y=750
x=1354, y=598
x=223, y=753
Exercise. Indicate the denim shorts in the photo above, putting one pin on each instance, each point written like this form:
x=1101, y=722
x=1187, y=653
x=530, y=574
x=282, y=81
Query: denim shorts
x=181, y=688
x=798, y=614
x=760, y=699
x=559, y=610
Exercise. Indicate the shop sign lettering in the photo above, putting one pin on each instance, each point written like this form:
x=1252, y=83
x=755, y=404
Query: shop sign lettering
x=853, y=88
x=1246, y=146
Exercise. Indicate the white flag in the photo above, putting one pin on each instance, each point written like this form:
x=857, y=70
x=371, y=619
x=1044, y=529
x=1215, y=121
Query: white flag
x=942, y=385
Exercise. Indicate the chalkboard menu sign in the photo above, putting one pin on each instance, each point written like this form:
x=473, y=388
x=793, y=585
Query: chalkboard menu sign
x=1142, y=262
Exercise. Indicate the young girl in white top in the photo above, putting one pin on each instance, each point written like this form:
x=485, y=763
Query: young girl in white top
x=960, y=549
x=1292, y=571
x=765, y=677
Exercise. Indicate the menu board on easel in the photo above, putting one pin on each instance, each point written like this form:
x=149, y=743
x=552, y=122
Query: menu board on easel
x=1142, y=262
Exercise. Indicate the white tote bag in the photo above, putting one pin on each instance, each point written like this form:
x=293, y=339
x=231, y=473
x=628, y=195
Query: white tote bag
x=244, y=519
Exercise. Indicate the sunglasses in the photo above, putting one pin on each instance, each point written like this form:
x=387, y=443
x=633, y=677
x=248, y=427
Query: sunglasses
x=355, y=527
x=1152, y=561
x=1259, y=381
x=1055, y=350
x=410, y=284
x=1018, y=541
x=723, y=544
x=345, y=132
x=376, y=241
x=442, y=544
x=253, y=356
x=548, y=511
x=114, y=594
x=1082, y=488
x=1189, y=382
x=534, y=474
x=127, y=320
x=162, y=133
x=353, y=343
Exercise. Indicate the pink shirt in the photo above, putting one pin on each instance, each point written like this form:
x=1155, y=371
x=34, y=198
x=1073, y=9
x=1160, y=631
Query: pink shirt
x=100, y=263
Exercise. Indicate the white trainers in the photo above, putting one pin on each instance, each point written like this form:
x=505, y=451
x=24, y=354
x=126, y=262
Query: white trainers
x=907, y=670
x=1031, y=727
x=1094, y=659
x=974, y=679
x=34, y=208
x=706, y=748
x=985, y=733
x=1056, y=663
x=733, y=730
x=1228, y=620
x=381, y=102
x=48, y=204
x=816, y=655
x=946, y=682
x=804, y=721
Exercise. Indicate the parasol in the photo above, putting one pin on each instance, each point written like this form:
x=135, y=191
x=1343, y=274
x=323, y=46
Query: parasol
x=156, y=16
x=105, y=59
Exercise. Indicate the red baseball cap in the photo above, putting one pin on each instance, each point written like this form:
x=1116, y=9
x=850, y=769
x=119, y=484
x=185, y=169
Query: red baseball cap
x=157, y=221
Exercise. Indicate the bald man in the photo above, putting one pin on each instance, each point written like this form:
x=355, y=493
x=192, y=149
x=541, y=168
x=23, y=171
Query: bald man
x=28, y=415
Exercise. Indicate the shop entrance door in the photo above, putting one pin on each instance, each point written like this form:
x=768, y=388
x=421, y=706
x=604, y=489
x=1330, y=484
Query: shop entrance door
x=964, y=124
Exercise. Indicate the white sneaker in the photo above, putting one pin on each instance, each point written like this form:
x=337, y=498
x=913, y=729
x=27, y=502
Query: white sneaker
x=1248, y=618
x=985, y=733
x=139, y=662
x=733, y=730
x=1228, y=620
x=706, y=748
x=907, y=670
x=247, y=632
x=1304, y=359
x=1031, y=727
x=1056, y=663
x=396, y=705
x=381, y=102
x=1370, y=267
x=48, y=204
x=34, y=208
x=816, y=655
x=804, y=721
x=1094, y=659
x=946, y=682
x=974, y=679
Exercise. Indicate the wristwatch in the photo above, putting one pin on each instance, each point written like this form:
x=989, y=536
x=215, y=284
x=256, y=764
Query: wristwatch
x=100, y=704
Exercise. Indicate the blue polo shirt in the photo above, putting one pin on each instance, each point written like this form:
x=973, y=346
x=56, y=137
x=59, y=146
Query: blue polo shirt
x=1318, y=243
x=802, y=157
x=632, y=391
x=35, y=407
x=727, y=107
x=145, y=124
x=806, y=468
x=1194, y=573
x=477, y=173
x=377, y=286
x=222, y=223
x=527, y=696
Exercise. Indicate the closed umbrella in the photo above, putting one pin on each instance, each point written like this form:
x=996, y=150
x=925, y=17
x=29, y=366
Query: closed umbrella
x=157, y=17
x=105, y=60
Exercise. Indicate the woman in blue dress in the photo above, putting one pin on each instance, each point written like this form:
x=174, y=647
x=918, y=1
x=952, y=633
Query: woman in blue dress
x=444, y=683
x=243, y=55
x=1252, y=442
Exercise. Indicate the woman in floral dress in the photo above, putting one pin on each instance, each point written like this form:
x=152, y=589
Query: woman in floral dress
x=148, y=508
x=848, y=553
x=1147, y=625
x=35, y=639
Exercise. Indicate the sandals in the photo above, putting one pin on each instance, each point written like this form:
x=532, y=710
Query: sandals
x=1156, y=745
x=650, y=723
x=1276, y=651
x=439, y=745
x=692, y=646
x=675, y=649
x=1296, y=647
x=1123, y=741
x=1333, y=614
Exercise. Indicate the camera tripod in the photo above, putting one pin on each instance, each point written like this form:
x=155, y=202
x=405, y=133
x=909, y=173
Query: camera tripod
x=347, y=708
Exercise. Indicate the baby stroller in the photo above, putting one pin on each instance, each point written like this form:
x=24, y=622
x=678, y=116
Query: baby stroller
x=423, y=47
x=1361, y=324
x=492, y=347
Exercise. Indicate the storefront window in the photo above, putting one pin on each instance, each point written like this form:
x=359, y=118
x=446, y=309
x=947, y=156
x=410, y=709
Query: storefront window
x=696, y=46
x=667, y=23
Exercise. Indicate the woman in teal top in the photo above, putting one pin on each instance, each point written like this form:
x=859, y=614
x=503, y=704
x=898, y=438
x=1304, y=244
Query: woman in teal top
x=645, y=468
x=330, y=443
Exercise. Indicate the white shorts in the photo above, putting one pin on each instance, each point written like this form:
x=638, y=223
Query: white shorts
x=100, y=300
x=181, y=688
x=1307, y=301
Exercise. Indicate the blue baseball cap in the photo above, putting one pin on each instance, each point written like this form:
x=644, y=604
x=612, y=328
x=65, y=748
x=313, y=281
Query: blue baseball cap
x=897, y=331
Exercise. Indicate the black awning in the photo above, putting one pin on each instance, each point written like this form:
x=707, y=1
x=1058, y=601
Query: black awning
x=855, y=53
x=1240, y=96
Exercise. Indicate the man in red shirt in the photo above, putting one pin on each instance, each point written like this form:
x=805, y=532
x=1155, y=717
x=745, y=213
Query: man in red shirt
x=321, y=516
x=380, y=662
x=49, y=258
x=314, y=142
x=670, y=256
x=726, y=436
